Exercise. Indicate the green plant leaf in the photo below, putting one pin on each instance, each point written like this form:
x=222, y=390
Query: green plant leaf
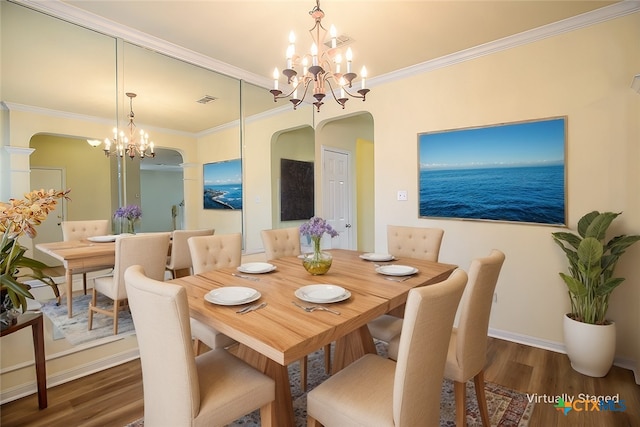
x=575, y=286
x=570, y=238
x=599, y=225
x=585, y=222
x=608, y=286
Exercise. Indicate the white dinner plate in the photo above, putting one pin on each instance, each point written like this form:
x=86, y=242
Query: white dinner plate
x=232, y=295
x=396, y=270
x=377, y=257
x=256, y=267
x=323, y=293
x=103, y=239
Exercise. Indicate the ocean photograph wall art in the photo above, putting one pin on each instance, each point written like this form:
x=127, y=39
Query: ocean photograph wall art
x=223, y=185
x=509, y=172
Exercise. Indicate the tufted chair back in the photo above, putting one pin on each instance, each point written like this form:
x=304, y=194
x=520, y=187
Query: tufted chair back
x=78, y=230
x=217, y=251
x=280, y=242
x=414, y=242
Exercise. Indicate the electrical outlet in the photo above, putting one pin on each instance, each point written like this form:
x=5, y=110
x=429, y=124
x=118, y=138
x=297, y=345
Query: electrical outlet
x=402, y=195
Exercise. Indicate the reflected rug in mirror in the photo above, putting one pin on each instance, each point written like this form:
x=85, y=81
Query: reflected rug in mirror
x=506, y=407
x=75, y=330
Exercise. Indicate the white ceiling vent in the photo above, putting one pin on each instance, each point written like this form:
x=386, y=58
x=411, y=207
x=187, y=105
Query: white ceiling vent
x=206, y=99
x=340, y=41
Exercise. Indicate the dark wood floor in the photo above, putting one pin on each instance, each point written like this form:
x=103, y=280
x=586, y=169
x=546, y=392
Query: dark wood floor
x=114, y=397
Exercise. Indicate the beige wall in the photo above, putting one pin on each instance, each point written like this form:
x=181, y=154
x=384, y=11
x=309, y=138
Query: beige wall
x=584, y=75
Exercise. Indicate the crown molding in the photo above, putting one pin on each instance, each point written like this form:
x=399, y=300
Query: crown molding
x=623, y=8
x=77, y=16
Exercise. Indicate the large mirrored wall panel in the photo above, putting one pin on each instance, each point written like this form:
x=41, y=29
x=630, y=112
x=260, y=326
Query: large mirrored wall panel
x=176, y=95
x=52, y=64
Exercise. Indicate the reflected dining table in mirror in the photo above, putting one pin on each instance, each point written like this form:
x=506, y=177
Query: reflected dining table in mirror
x=79, y=254
x=97, y=251
x=280, y=332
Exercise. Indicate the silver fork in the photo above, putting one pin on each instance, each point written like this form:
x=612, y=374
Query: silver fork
x=252, y=308
x=312, y=308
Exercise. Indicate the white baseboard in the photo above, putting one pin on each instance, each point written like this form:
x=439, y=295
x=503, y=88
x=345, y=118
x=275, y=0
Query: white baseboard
x=18, y=392
x=558, y=347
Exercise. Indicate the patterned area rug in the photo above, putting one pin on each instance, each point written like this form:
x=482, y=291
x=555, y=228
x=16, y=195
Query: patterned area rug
x=75, y=330
x=506, y=407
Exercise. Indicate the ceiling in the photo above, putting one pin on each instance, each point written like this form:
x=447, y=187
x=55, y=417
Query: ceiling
x=387, y=35
x=71, y=69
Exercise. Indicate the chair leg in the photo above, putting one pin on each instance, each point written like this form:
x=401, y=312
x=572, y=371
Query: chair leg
x=327, y=358
x=91, y=305
x=460, y=391
x=116, y=309
x=84, y=282
x=267, y=414
x=478, y=381
x=196, y=346
x=303, y=373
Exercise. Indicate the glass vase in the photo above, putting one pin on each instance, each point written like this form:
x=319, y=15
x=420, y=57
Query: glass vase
x=317, y=262
x=131, y=226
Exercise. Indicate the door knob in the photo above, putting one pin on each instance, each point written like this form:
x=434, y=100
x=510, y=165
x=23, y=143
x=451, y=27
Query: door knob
x=347, y=226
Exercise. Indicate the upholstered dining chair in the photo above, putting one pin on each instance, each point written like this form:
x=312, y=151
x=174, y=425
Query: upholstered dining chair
x=179, y=260
x=466, y=357
x=414, y=242
x=376, y=391
x=410, y=242
x=181, y=389
x=278, y=243
x=78, y=230
x=210, y=253
x=148, y=250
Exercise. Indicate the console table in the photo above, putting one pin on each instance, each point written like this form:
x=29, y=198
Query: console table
x=35, y=320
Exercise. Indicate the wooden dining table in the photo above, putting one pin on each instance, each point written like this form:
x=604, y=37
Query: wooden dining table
x=79, y=254
x=281, y=333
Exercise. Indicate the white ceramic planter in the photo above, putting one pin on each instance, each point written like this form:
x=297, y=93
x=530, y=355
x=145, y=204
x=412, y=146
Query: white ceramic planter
x=591, y=348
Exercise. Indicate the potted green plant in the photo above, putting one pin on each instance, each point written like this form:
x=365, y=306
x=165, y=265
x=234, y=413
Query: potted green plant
x=589, y=335
x=17, y=218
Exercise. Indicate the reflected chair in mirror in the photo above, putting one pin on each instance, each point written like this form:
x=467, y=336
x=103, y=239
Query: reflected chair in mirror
x=405, y=242
x=211, y=253
x=79, y=230
x=181, y=389
x=148, y=250
x=466, y=358
x=375, y=390
x=179, y=261
x=278, y=243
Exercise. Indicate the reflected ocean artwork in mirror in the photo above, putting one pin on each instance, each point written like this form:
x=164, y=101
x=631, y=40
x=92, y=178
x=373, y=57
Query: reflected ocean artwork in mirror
x=223, y=185
x=512, y=172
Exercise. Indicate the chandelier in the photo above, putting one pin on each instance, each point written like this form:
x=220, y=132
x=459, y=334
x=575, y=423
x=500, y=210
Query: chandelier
x=321, y=68
x=135, y=144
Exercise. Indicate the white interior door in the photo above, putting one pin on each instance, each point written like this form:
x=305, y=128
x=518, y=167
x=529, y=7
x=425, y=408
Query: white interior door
x=49, y=230
x=336, y=190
